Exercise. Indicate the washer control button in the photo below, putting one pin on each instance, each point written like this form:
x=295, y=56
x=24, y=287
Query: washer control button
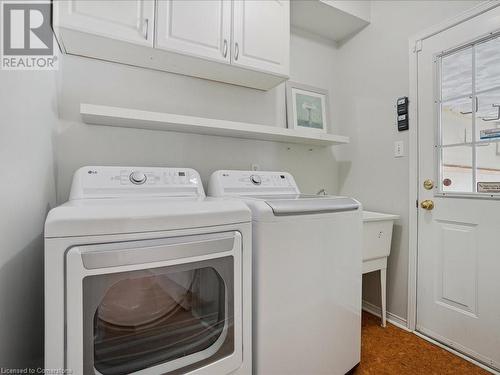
x=256, y=180
x=137, y=178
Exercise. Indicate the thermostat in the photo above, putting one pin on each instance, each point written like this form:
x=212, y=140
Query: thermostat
x=402, y=113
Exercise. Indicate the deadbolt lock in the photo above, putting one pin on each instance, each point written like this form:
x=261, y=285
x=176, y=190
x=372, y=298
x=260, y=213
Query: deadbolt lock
x=428, y=184
x=427, y=205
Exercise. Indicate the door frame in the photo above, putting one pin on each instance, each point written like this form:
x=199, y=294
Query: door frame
x=415, y=46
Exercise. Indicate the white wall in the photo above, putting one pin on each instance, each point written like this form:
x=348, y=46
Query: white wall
x=27, y=119
x=373, y=72
x=91, y=81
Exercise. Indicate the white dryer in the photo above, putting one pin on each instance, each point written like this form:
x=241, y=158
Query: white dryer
x=306, y=274
x=144, y=275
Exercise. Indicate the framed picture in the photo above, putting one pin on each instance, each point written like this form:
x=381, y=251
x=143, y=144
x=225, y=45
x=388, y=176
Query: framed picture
x=307, y=107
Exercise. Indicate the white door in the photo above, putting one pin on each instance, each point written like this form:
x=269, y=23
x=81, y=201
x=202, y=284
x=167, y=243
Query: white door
x=200, y=28
x=458, y=290
x=127, y=20
x=261, y=35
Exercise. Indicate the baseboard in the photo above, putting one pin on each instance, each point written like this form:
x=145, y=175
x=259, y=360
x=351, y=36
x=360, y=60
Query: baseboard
x=391, y=318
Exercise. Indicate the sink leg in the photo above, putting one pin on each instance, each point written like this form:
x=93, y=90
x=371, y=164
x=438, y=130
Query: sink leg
x=383, y=276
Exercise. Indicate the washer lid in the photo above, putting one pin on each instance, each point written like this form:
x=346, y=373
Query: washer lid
x=309, y=204
x=90, y=217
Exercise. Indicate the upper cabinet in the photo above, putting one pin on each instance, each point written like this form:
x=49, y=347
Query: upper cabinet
x=337, y=20
x=261, y=35
x=196, y=27
x=243, y=42
x=125, y=20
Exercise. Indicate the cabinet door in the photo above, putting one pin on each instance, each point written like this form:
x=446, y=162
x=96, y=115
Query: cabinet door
x=127, y=20
x=197, y=27
x=261, y=35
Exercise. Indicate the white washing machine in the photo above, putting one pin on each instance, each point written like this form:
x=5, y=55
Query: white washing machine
x=144, y=275
x=306, y=274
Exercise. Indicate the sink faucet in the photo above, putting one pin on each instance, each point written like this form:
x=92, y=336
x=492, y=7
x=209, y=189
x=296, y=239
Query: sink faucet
x=321, y=192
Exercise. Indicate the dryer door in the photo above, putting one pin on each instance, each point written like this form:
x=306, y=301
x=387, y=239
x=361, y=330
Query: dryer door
x=152, y=307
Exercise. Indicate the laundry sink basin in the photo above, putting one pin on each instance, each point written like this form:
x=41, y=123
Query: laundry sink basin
x=377, y=234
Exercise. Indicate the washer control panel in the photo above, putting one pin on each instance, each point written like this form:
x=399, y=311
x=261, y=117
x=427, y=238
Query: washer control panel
x=109, y=182
x=251, y=183
x=138, y=177
x=256, y=180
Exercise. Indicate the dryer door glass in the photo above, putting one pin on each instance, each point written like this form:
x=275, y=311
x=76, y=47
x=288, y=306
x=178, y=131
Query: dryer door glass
x=178, y=316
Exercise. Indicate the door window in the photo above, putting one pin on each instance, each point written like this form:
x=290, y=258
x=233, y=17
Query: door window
x=180, y=315
x=469, y=119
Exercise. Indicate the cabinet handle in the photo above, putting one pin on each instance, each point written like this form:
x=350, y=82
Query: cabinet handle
x=224, y=49
x=236, y=51
x=146, y=28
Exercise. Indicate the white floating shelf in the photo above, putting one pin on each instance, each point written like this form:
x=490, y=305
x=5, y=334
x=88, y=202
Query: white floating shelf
x=134, y=118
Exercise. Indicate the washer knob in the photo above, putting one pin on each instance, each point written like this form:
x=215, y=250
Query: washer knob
x=137, y=178
x=256, y=180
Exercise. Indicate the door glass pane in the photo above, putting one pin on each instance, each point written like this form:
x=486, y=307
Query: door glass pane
x=488, y=65
x=456, y=169
x=488, y=166
x=156, y=316
x=456, y=74
x=456, y=121
x=470, y=119
x=488, y=116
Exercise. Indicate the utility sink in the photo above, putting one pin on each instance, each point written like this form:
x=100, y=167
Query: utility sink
x=377, y=234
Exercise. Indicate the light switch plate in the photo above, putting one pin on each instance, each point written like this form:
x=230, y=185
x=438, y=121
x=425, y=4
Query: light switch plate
x=399, y=149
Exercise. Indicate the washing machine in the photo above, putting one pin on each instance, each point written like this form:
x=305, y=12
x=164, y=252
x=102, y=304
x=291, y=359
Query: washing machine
x=144, y=275
x=306, y=274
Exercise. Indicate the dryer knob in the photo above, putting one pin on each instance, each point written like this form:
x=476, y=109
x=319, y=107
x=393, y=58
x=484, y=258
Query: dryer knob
x=137, y=178
x=256, y=180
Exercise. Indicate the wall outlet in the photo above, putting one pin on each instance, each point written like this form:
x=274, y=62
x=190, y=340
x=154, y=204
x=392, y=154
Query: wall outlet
x=399, y=149
x=255, y=167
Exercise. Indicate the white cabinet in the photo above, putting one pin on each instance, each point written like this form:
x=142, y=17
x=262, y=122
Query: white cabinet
x=336, y=20
x=260, y=31
x=243, y=42
x=261, y=35
x=196, y=27
x=126, y=20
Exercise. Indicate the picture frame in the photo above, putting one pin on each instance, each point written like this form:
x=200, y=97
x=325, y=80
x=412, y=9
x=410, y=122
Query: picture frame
x=307, y=108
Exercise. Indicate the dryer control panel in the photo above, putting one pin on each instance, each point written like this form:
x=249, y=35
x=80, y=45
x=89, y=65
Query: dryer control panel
x=114, y=182
x=223, y=183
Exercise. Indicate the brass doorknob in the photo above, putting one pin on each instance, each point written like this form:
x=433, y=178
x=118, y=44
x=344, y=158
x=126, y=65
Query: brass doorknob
x=427, y=205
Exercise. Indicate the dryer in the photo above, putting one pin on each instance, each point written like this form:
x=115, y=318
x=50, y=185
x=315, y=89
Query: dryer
x=144, y=275
x=306, y=273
